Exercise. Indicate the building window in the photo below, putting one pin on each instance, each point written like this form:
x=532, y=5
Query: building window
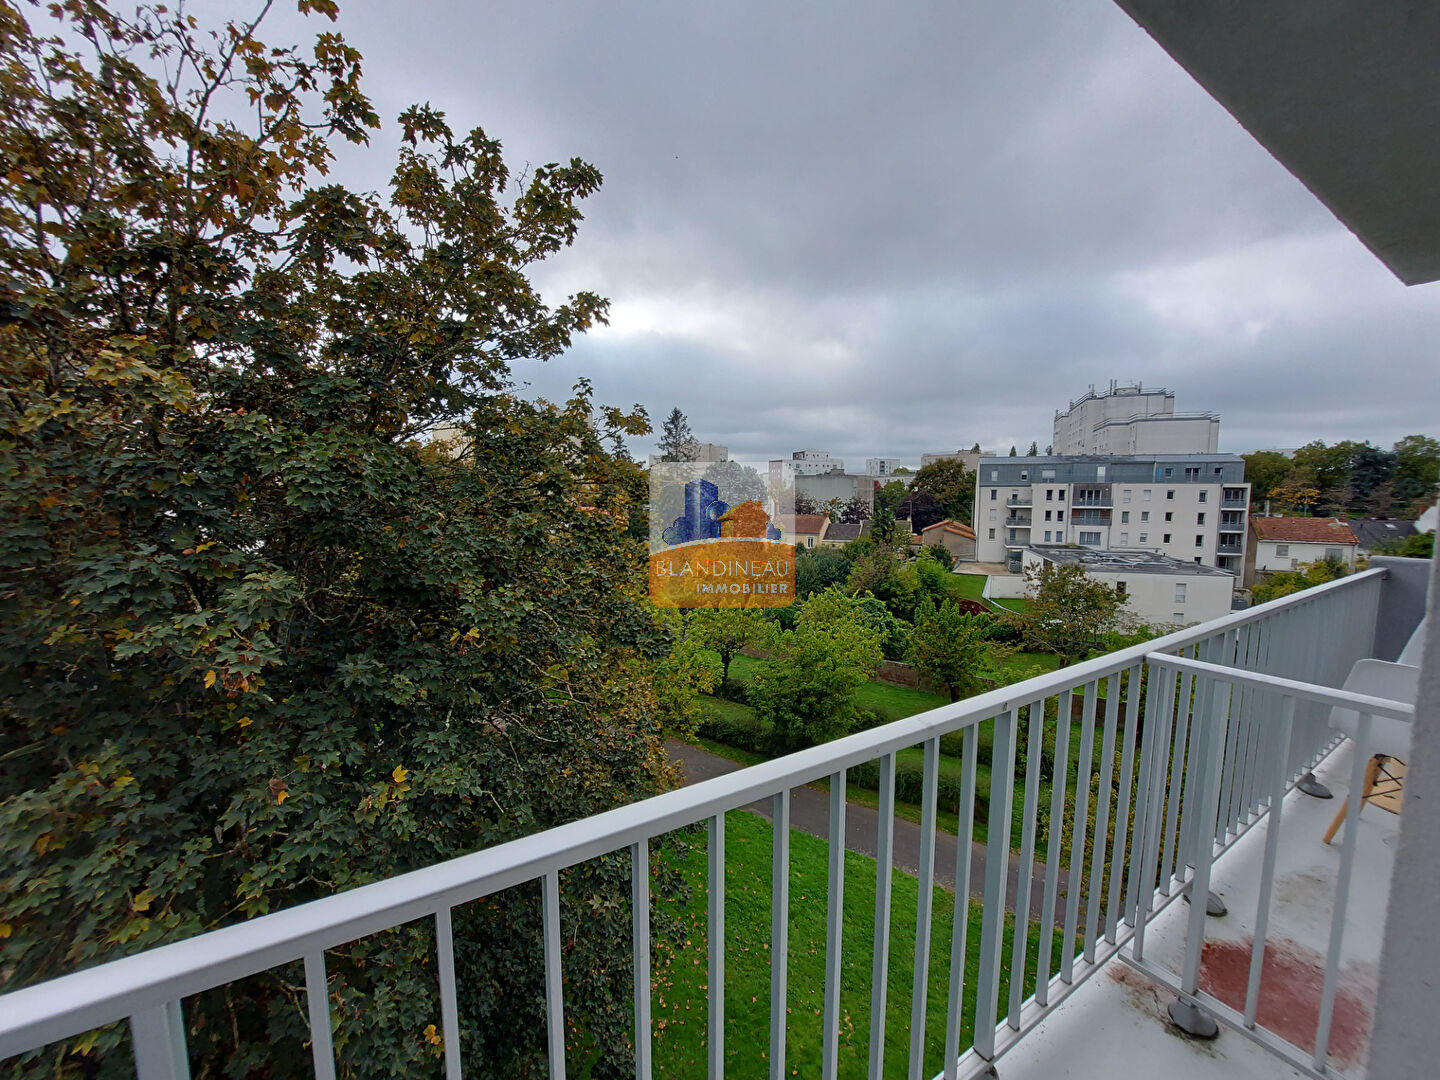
x=1124, y=539
x=1204, y=496
x=1199, y=519
x=992, y=513
x=992, y=494
x=1177, y=617
x=1200, y=541
x=1061, y=494
x=1198, y=560
x=1049, y=494
x=1170, y=494
x=809, y=541
x=1144, y=538
x=1047, y=474
x=1165, y=539
x=1282, y=549
x=994, y=475
x=1124, y=517
x=1179, y=592
x=1100, y=472
x=1024, y=474
x=1169, y=515
x=1047, y=515
x=1090, y=539
x=1169, y=471
x=992, y=534
x=1047, y=536
x=1125, y=495
x=1192, y=472
x=1144, y=515
x=1012, y=536
x=1059, y=515
x=1334, y=555
x=1147, y=495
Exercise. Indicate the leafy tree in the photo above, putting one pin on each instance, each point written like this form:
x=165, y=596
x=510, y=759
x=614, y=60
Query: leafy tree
x=1012, y=451
x=952, y=485
x=834, y=603
x=1369, y=487
x=1415, y=546
x=816, y=569
x=884, y=528
x=1266, y=470
x=676, y=442
x=1285, y=582
x=804, y=504
x=921, y=509
x=1297, y=497
x=806, y=689
x=680, y=678
x=975, y=449
x=1417, y=467
x=889, y=495
x=1070, y=612
x=1034, y=450
x=855, y=511
x=726, y=631
x=260, y=643
x=737, y=482
x=953, y=650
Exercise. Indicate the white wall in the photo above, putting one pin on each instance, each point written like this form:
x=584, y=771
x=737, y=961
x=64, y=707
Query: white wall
x=1268, y=554
x=1153, y=599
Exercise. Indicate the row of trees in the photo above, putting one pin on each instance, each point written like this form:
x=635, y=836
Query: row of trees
x=1348, y=478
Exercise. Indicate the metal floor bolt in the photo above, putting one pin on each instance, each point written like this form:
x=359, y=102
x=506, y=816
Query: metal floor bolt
x=1193, y=1020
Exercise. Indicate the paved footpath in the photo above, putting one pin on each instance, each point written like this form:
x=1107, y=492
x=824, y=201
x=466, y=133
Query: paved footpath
x=810, y=813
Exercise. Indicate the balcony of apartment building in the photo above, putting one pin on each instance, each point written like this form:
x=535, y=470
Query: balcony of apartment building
x=1230, y=543
x=1092, y=496
x=1235, y=498
x=1079, y=516
x=1020, y=500
x=1157, y=772
x=1019, y=518
x=1232, y=522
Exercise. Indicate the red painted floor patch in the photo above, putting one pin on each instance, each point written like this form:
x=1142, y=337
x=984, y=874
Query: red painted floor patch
x=1291, y=979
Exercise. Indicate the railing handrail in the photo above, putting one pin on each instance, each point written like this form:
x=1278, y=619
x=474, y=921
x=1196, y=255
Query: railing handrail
x=71, y=1004
x=1344, y=699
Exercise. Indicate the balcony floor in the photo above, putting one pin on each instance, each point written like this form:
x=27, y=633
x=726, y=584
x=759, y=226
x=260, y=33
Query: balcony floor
x=1116, y=1024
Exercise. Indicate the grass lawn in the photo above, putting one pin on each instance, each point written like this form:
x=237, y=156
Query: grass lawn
x=965, y=586
x=680, y=975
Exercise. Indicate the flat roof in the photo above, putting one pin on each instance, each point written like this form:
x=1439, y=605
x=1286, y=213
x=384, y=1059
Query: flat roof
x=1110, y=459
x=1126, y=562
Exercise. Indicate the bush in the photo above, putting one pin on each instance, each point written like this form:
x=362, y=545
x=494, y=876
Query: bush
x=741, y=732
x=910, y=786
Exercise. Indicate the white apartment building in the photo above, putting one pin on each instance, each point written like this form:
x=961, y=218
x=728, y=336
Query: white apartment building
x=807, y=462
x=969, y=458
x=1190, y=507
x=1158, y=590
x=1133, y=420
x=882, y=466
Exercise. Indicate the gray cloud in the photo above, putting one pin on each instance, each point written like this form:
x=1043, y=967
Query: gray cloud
x=886, y=230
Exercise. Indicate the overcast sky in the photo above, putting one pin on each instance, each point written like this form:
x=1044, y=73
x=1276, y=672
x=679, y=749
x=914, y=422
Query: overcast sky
x=882, y=229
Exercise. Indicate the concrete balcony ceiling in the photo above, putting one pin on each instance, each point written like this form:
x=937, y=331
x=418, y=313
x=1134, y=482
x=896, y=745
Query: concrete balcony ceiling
x=1344, y=94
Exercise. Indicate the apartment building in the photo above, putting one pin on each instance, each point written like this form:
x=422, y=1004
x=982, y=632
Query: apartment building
x=808, y=462
x=969, y=458
x=882, y=466
x=1158, y=590
x=1133, y=420
x=1190, y=507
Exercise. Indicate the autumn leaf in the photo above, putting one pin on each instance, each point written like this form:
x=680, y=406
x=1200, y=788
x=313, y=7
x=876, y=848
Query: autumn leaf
x=400, y=774
x=432, y=1036
x=209, y=679
x=280, y=789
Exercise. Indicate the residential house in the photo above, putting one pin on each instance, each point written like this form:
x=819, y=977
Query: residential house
x=840, y=533
x=957, y=539
x=1187, y=506
x=1373, y=531
x=803, y=530
x=1288, y=543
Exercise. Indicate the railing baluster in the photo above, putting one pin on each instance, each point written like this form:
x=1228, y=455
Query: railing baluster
x=834, y=938
x=716, y=993
x=1102, y=815
x=640, y=941
x=1157, y=772
x=158, y=1039
x=1272, y=848
x=920, y=988
x=1210, y=761
x=1077, y=833
x=554, y=985
x=1342, y=889
x=1178, y=792
x=997, y=866
x=449, y=1006
x=1033, y=749
x=964, y=848
x=880, y=966
x=1060, y=777
x=1122, y=841
x=779, y=929
x=317, y=998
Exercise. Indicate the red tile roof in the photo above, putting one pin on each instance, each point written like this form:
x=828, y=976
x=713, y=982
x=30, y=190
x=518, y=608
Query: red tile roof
x=1303, y=530
x=805, y=524
x=952, y=527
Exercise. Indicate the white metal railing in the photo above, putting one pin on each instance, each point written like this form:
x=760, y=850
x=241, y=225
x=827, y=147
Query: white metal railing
x=1225, y=792
x=1312, y=636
